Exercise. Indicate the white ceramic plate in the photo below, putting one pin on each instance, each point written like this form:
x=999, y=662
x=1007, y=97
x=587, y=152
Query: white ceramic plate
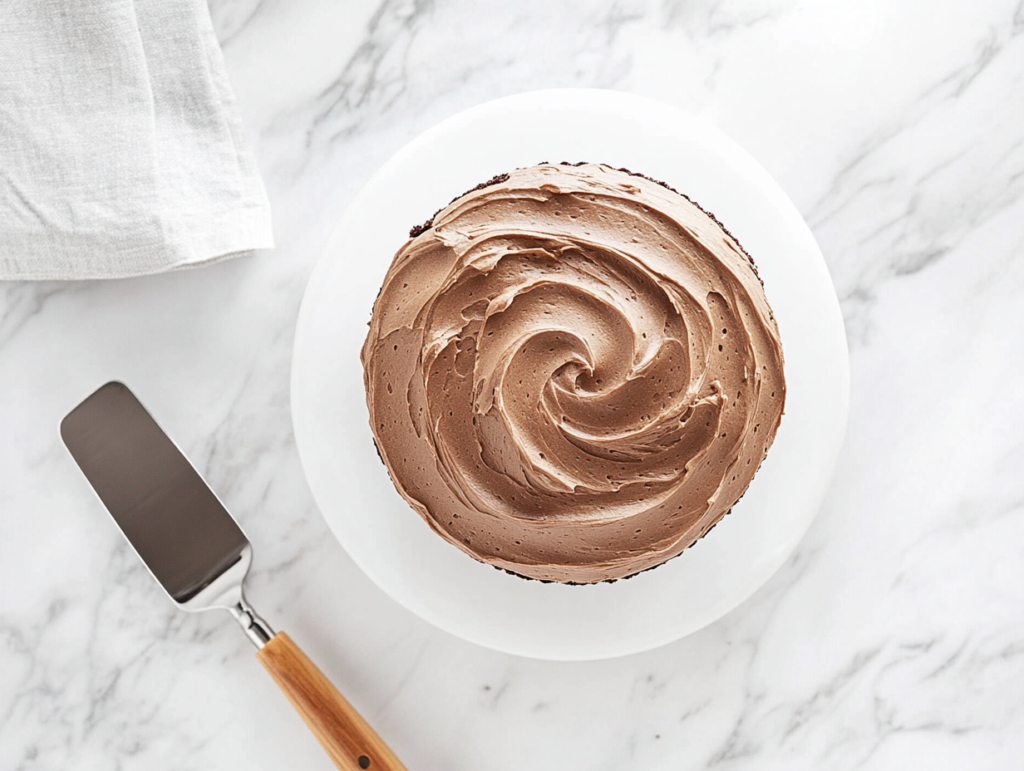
x=390, y=542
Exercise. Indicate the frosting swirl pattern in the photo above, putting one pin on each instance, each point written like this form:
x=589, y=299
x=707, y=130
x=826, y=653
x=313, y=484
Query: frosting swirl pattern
x=572, y=373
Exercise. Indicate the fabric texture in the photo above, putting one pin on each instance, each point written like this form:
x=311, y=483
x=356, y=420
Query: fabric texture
x=121, y=149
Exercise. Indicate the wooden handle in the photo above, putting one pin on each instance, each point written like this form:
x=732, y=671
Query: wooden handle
x=348, y=739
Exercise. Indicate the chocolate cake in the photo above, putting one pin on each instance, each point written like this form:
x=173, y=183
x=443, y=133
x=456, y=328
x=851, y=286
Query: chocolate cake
x=573, y=372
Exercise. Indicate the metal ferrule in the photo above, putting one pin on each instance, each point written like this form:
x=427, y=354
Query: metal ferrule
x=256, y=629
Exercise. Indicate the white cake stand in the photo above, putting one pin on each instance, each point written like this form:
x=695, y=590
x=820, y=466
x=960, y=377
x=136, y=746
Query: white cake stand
x=390, y=542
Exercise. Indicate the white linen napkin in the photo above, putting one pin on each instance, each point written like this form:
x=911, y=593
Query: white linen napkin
x=121, y=150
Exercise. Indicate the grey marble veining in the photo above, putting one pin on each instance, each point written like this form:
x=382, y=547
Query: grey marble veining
x=894, y=636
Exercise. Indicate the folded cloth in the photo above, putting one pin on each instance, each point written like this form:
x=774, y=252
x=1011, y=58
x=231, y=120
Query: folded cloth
x=121, y=150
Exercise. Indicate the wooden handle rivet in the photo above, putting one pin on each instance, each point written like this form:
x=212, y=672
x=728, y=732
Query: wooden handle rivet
x=364, y=762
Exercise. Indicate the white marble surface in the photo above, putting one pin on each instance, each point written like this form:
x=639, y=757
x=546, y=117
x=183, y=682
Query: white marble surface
x=893, y=639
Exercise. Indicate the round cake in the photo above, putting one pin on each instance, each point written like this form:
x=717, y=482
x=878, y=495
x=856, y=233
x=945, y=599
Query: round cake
x=573, y=372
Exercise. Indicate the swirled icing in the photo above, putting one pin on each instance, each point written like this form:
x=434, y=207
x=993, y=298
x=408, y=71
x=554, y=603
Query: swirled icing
x=573, y=372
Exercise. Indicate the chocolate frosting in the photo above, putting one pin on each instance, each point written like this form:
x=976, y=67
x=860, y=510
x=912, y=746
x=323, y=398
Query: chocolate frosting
x=573, y=373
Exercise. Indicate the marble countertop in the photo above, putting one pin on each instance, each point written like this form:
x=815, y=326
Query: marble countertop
x=892, y=639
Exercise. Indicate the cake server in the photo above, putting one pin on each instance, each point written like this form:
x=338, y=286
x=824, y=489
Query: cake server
x=199, y=555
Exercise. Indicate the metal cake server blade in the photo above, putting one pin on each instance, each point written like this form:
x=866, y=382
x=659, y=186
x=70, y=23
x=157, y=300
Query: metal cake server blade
x=199, y=555
x=173, y=520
